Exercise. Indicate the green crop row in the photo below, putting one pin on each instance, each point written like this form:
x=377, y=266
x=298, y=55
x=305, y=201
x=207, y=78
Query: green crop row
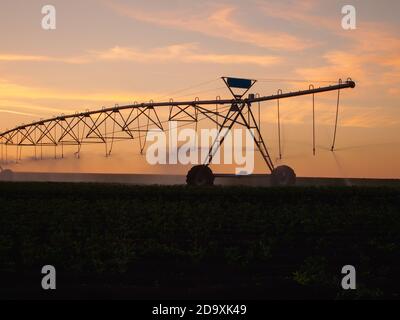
x=159, y=236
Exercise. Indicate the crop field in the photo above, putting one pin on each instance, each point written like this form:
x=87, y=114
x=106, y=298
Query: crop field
x=154, y=242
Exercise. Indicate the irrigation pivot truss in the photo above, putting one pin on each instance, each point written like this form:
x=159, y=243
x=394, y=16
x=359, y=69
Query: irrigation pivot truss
x=133, y=121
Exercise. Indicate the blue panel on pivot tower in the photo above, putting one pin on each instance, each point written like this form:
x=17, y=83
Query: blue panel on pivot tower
x=239, y=83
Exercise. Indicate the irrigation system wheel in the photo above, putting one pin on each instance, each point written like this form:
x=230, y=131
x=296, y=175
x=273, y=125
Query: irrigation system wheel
x=200, y=175
x=283, y=176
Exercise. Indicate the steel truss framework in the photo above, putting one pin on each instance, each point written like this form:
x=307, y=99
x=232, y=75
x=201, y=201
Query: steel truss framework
x=133, y=121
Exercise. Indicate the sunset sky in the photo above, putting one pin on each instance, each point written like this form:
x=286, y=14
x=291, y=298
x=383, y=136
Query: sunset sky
x=113, y=51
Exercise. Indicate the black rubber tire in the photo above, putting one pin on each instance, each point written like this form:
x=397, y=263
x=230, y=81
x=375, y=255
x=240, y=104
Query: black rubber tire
x=283, y=176
x=200, y=175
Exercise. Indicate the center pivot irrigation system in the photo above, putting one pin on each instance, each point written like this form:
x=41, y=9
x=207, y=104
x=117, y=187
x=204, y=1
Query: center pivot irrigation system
x=117, y=123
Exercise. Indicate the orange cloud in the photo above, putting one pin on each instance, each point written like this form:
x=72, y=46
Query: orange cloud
x=299, y=11
x=186, y=52
x=18, y=113
x=366, y=54
x=12, y=91
x=338, y=64
x=40, y=58
x=215, y=22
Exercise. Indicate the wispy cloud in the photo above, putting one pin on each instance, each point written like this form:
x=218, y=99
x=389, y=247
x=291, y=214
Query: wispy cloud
x=219, y=22
x=300, y=12
x=183, y=53
x=19, y=113
x=187, y=53
x=41, y=58
x=337, y=64
x=13, y=91
x=366, y=54
x=16, y=105
x=371, y=57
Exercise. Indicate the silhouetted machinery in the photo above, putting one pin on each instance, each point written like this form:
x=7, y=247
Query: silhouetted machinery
x=117, y=123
